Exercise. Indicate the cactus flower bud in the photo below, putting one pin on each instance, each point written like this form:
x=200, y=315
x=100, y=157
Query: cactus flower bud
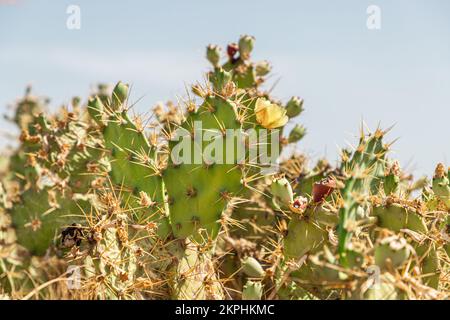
x=220, y=78
x=252, y=268
x=441, y=184
x=262, y=68
x=43, y=122
x=76, y=102
x=294, y=107
x=95, y=109
x=439, y=172
x=252, y=291
x=213, y=55
x=246, y=46
x=391, y=178
x=281, y=189
x=119, y=95
x=270, y=115
x=296, y=134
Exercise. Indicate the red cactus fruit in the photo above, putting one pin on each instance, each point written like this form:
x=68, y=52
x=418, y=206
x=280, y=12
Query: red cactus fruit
x=323, y=189
x=232, y=49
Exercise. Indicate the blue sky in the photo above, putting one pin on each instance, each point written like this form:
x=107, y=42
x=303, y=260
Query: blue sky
x=320, y=50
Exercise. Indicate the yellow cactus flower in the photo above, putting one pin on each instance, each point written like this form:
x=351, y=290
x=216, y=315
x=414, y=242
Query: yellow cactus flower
x=270, y=115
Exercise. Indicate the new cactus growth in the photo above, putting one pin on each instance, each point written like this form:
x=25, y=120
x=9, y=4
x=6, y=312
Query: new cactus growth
x=252, y=268
x=252, y=291
x=213, y=55
x=297, y=133
x=282, y=191
x=246, y=44
x=294, y=107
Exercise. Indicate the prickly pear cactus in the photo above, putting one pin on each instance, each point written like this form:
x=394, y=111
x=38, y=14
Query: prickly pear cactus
x=356, y=229
x=197, y=202
x=135, y=166
x=63, y=160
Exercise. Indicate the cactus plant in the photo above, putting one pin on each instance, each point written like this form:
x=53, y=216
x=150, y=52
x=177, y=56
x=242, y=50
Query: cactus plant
x=178, y=211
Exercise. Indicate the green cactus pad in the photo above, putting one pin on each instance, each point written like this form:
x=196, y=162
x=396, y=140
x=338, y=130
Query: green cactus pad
x=198, y=193
x=304, y=236
x=134, y=165
x=38, y=224
x=396, y=217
